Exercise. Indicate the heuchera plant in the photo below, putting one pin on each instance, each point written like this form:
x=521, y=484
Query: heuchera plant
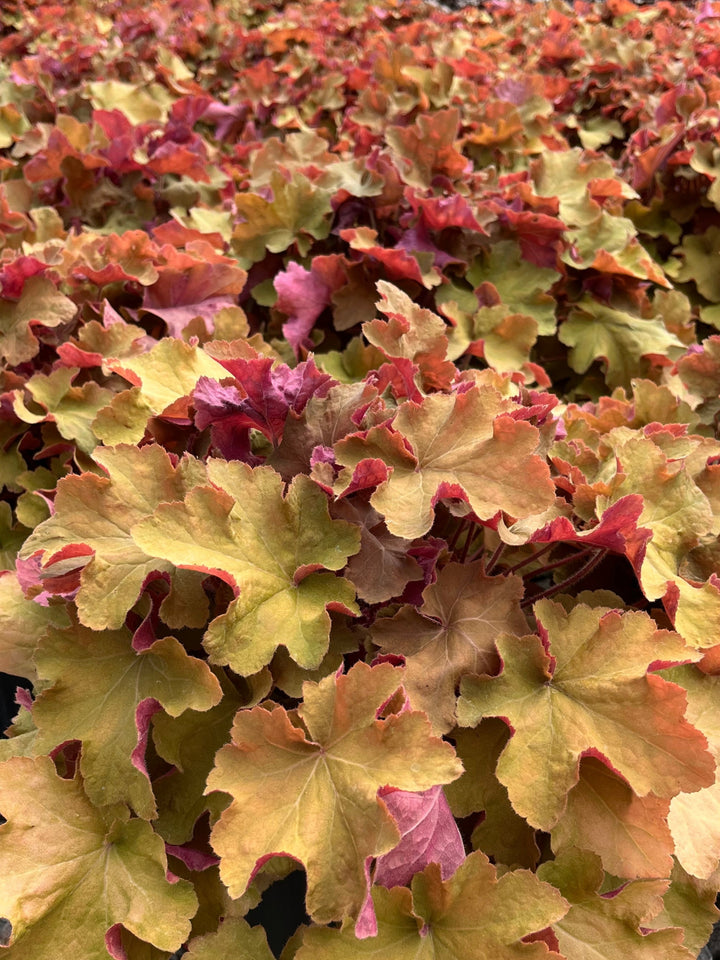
x=360, y=477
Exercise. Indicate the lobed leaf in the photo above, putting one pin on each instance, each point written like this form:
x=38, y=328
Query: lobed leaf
x=96, y=514
x=103, y=693
x=610, y=926
x=74, y=871
x=312, y=793
x=474, y=915
x=268, y=547
x=464, y=445
x=451, y=635
x=582, y=688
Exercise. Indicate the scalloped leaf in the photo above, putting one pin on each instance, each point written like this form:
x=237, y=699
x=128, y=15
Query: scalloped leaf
x=466, y=445
x=72, y=408
x=72, y=872
x=269, y=547
x=630, y=834
x=313, y=795
x=675, y=509
x=596, y=331
x=40, y=302
x=610, y=926
x=472, y=916
x=190, y=742
x=500, y=833
x=235, y=938
x=582, y=688
x=93, y=518
x=103, y=693
x=23, y=624
x=451, y=635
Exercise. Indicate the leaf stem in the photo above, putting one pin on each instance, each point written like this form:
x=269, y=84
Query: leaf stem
x=495, y=557
x=466, y=546
x=539, y=553
x=452, y=542
x=477, y=553
x=563, y=560
x=575, y=578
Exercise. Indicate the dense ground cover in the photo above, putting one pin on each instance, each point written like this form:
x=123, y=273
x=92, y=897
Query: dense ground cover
x=360, y=477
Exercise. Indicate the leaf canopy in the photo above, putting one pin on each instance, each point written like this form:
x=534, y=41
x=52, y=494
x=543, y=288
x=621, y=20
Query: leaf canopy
x=334, y=337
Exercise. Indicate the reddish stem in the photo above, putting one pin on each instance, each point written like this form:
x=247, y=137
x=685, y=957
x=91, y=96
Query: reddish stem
x=456, y=534
x=476, y=554
x=466, y=546
x=562, y=561
x=539, y=553
x=575, y=578
x=495, y=557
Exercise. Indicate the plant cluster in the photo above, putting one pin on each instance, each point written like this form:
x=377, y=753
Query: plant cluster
x=360, y=477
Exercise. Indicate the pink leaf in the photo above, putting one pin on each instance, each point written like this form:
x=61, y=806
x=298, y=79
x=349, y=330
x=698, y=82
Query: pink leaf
x=428, y=834
x=302, y=296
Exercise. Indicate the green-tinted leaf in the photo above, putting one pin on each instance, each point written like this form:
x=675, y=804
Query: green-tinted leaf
x=98, y=512
x=608, y=928
x=72, y=871
x=297, y=212
x=72, y=408
x=190, y=742
x=522, y=286
x=267, y=546
x=596, y=331
x=102, y=692
x=472, y=916
x=674, y=509
x=690, y=904
x=23, y=624
x=235, y=939
x=699, y=254
x=501, y=834
x=138, y=102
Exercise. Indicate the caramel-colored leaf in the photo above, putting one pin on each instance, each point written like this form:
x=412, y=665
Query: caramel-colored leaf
x=72, y=871
x=309, y=790
x=583, y=688
x=462, y=445
x=630, y=834
x=472, y=916
x=451, y=635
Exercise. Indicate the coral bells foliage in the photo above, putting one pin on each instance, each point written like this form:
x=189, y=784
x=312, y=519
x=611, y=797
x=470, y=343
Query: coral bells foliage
x=360, y=478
